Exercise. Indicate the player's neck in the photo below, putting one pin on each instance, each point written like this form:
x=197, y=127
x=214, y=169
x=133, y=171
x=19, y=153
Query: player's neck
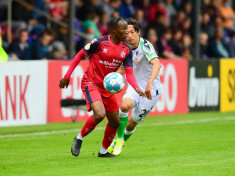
x=135, y=45
x=114, y=40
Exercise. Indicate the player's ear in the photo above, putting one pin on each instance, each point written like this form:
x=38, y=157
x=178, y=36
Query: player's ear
x=112, y=29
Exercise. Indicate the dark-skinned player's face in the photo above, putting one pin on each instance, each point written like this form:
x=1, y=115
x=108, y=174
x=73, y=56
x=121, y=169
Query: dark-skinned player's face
x=121, y=30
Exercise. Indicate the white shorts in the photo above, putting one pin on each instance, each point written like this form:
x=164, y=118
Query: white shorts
x=141, y=105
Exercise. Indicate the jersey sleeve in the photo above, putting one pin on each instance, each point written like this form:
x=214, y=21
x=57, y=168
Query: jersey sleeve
x=92, y=46
x=128, y=62
x=149, y=50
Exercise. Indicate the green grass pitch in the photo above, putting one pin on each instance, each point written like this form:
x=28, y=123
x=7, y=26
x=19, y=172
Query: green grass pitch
x=200, y=144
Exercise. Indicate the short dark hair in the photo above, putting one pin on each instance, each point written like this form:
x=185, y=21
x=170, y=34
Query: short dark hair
x=47, y=32
x=134, y=23
x=114, y=22
x=24, y=30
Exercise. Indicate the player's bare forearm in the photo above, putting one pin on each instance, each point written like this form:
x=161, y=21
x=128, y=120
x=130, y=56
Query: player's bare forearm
x=121, y=70
x=155, y=69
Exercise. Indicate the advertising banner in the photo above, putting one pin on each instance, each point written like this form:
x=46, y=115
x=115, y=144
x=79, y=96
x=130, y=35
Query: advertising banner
x=23, y=93
x=56, y=71
x=227, y=84
x=174, y=78
x=204, y=86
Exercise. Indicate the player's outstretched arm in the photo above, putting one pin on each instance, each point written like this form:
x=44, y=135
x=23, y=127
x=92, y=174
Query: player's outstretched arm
x=64, y=82
x=155, y=70
x=81, y=54
x=132, y=81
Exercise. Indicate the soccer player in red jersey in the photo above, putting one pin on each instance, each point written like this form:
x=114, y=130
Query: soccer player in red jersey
x=106, y=55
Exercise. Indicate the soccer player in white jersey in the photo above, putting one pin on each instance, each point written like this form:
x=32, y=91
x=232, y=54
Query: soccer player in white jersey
x=146, y=70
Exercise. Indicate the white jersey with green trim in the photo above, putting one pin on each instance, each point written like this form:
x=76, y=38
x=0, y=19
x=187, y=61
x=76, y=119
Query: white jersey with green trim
x=142, y=56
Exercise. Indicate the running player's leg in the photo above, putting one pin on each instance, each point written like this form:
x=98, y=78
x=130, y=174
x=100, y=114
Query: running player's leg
x=126, y=105
x=94, y=102
x=111, y=107
x=130, y=128
x=139, y=112
x=129, y=100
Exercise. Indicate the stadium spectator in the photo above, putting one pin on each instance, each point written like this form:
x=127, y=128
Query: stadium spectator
x=179, y=20
x=218, y=47
x=89, y=6
x=204, y=22
x=19, y=49
x=144, y=5
x=186, y=27
x=188, y=8
x=152, y=37
x=212, y=26
x=57, y=8
x=227, y=14
x=115, y=14
x=176, y=42
x=39, y=47
x=203, y=45
x=57, y=50
x=126, y=9
x=167, y=51
x=159, y=24
x=139, y=16
x=212, y=9
x=91, y=24
x=35, y=27
x=157, y=7
x=3, y=54
x=170, y=10
x=187, y=49
x=103, y=24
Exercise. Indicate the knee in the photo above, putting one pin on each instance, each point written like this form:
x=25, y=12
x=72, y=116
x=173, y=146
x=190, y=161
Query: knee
x=99, y=116
x=125, y=108
x=114, y=123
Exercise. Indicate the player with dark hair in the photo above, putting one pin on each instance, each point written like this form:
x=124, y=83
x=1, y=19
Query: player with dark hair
x=106, y=55
x=146, y=70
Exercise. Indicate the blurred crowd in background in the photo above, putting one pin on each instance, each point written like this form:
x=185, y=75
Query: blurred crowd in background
x=167, y=24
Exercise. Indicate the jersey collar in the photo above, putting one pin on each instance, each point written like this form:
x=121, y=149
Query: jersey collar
x=114, y=43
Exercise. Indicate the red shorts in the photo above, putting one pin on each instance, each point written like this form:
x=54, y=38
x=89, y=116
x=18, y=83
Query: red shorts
x=93, y=94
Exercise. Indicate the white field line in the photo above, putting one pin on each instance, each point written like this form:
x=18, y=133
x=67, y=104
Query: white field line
x=102, y=128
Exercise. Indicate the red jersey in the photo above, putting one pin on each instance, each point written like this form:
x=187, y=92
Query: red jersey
x=105, y=57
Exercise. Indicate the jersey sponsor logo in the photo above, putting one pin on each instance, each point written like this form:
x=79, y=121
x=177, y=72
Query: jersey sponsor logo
x=110, y=64
x=117, y=61
x=123, y=54
x=203, y=92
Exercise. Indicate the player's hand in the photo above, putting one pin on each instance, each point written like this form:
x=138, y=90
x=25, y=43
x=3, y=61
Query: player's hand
x=148, y=91
x=139, y=91
x=64, y=83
